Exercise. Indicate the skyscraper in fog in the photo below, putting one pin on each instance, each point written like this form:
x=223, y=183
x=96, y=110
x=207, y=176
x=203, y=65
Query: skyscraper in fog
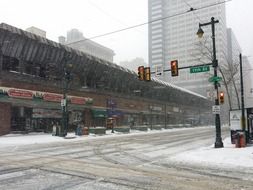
x=174, y=37
x=76, y=40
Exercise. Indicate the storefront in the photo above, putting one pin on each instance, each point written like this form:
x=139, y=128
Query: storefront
x=39, y=111
x=99, y=117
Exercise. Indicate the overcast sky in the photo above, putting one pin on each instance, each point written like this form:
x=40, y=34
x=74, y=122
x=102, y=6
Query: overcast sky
x=95, y=17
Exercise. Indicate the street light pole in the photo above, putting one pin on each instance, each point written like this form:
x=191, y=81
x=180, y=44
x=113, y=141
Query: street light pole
x=218, y=140
x=242, y=95
x=64, y=129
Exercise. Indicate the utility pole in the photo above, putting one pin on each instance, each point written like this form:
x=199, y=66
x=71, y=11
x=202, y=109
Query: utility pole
x=64, y=101
x=242, y=95
x=218, y=140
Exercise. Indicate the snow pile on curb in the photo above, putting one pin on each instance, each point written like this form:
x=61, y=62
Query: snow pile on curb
x=227, y=157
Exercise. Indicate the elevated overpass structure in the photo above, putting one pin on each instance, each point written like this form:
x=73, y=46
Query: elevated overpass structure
x=30, y=64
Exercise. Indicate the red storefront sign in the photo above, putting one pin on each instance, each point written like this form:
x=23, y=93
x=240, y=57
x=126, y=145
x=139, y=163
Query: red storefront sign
x=77, y=100
x=52, y=97
x=16, y=93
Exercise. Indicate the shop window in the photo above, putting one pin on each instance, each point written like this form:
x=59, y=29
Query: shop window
x=42, y=72
x=10, y=64
x=21, y=118
x=29, y=68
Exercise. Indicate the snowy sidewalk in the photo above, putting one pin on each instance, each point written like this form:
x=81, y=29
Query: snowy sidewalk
x=41, y=138
x=228, y=157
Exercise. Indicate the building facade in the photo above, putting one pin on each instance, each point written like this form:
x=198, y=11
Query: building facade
x=76, y=40
x=232, y=69
x=33, y=81
x=172, y=36
x=247, y=80
x=37, y=31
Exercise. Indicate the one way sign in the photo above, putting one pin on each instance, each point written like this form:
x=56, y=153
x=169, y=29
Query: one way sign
x=158, y=70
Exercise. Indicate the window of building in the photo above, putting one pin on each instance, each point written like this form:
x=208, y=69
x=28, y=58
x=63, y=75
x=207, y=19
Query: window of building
x=29, y=68
x=10, y=64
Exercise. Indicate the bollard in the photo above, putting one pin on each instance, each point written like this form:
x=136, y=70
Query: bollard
x=237, y=140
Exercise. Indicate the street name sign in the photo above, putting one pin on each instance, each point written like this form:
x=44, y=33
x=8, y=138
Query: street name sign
x=214, y=79
x=200, y=69
x=216, y=109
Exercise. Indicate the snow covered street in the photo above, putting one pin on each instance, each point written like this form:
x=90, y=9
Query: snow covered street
x=167, y=159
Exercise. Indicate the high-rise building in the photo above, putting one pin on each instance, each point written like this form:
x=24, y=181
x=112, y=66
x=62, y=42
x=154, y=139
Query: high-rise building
x=247, y=80
x=76, y=40
x=172, y=36
x=37, y=31
x=232, y=69
x=233, y=48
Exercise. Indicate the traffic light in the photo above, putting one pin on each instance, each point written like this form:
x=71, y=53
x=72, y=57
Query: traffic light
x=221, y=96
x=174, y=68
x=147, y=74
x=141, y=73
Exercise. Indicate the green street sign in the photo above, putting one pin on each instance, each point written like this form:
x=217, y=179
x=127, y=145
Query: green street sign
x=200, y=69
x=214, y=79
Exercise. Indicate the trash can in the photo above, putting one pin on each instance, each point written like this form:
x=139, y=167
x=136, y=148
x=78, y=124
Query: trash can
x=85, y=131
x=233, y=134
x=240, y=140
x=236, y=138
x=79, y=131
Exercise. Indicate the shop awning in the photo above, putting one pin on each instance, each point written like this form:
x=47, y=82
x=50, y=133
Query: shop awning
x=39, y=103
x=114, y=113
x=99, y=113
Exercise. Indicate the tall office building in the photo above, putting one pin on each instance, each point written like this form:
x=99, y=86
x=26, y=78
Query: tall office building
x=247, y=80
x=172, y=35
x=76, y=40
x=233, y=69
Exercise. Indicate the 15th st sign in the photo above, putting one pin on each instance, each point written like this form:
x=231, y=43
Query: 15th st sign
x=200, y=69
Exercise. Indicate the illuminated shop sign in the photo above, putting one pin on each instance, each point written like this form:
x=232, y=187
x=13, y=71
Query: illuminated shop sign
x=52, y=97
x=17, y=93
x=46, y=96
x=77, y=100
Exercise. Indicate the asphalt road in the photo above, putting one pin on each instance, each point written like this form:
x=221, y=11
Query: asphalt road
x=118, y=162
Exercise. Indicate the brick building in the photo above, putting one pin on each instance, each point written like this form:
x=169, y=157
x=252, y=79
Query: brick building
x=32, y=79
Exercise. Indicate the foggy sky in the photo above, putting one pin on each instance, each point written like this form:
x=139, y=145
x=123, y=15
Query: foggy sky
x=95, y=17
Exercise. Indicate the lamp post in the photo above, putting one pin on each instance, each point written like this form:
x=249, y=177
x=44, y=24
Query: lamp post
x=64, y=102
x=218, y=140
x=242, y=101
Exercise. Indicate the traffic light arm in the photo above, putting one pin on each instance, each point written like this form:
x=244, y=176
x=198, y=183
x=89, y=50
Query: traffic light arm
x=186, y=67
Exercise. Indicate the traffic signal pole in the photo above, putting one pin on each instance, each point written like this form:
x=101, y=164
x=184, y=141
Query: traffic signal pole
x=218, y=140
x=186, y=67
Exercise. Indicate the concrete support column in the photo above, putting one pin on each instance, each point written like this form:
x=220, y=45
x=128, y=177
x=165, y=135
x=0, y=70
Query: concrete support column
x=21, y=66
x=87, y=118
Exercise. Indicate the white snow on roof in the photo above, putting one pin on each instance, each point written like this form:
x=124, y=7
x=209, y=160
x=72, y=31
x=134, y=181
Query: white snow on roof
x=177, y=87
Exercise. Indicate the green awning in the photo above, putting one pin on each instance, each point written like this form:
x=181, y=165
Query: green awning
x=99, y=113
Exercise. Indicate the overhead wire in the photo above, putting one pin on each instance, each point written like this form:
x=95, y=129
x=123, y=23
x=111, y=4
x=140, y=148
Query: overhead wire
x=108, y=14
x=149, y=22
x=191, y=8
